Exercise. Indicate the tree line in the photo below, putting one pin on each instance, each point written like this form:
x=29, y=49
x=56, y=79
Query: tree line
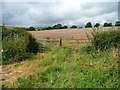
x=88, y=25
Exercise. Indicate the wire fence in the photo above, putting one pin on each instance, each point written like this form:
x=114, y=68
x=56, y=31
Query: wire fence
x=73, y=41
x=64, y=41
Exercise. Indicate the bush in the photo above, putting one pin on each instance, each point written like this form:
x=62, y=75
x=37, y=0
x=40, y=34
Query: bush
x=107, y=25
x=57, y=26
x=30, y=29
x=64, y=27
x=106, y=40
x=74, y=26
x=32, y=45
x=17, y=45
x=88, y=25
x=88, y=49
x=48, y=28
x=97, y=25
x=117, y=23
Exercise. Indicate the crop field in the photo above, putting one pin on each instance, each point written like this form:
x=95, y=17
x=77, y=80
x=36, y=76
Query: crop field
x=79, y=33
x=70, y=37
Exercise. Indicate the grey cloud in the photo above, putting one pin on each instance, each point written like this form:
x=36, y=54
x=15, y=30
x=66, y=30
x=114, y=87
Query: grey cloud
x=49, y=13
x=99, y=8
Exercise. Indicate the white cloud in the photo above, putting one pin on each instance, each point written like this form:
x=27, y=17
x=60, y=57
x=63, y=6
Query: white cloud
x=63, y=11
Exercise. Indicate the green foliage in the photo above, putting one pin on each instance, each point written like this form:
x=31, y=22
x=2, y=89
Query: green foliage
x=106, y=40
x=48, y=28
x=64, y=27
x=88, y=25
x=74, y=26
x=107, y=25
x=53, y=71
x=30, y=29
x=58, y=26
x=32, y=45
x=88, y=49
x=97, y=25
x=0, y=45
x=117, y=23
x=17, y=45
x=66, y=68
x=26, y=84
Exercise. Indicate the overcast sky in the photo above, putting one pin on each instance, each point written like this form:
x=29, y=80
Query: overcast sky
x=67, y=12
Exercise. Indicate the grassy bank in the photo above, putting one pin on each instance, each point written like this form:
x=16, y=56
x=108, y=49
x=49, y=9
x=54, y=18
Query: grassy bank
x=65, y=67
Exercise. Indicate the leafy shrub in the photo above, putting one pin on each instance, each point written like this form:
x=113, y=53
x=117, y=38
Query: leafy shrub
x=97, y=25
x=88, y=25
x=88, y=49
x=107, y=24
x=65, y=27
x=74, y=26
x=117, y=23
x=32, y=46
x=48, y=28
x=58, y=26
x=17, y=45
x=30, y=29
x=105, y=40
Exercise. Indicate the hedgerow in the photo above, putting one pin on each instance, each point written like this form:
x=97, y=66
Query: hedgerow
x=107, y=39
x=17, y=45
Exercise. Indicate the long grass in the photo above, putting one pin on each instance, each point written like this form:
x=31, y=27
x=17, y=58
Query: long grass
x=65, y=67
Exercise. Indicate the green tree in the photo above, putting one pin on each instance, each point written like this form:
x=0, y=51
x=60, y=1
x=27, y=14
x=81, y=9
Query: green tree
x=88, y=25
x=58, y=26
x=64, y=27
x=31, y=29
x=117, y=23
x=97, y=25
x=48, y=28
x=74, y=26
x=107, y=24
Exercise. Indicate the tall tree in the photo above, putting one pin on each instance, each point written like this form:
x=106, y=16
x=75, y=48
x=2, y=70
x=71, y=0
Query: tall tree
x=88, y=25
x=97, y=25
x=107, y=24
x=31, y=29
x=117, y=23
x=64, y=27
x=57, y=26
x=74, y=26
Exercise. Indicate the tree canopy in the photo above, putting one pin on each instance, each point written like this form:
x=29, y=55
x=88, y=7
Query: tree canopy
x=88, y=25
x=107, y=24
x=74, y=26
x=31, y=29
x=117, y=23
x=97, y=25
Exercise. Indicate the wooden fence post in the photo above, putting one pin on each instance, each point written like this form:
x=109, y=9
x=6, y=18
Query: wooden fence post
x=60, y=43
